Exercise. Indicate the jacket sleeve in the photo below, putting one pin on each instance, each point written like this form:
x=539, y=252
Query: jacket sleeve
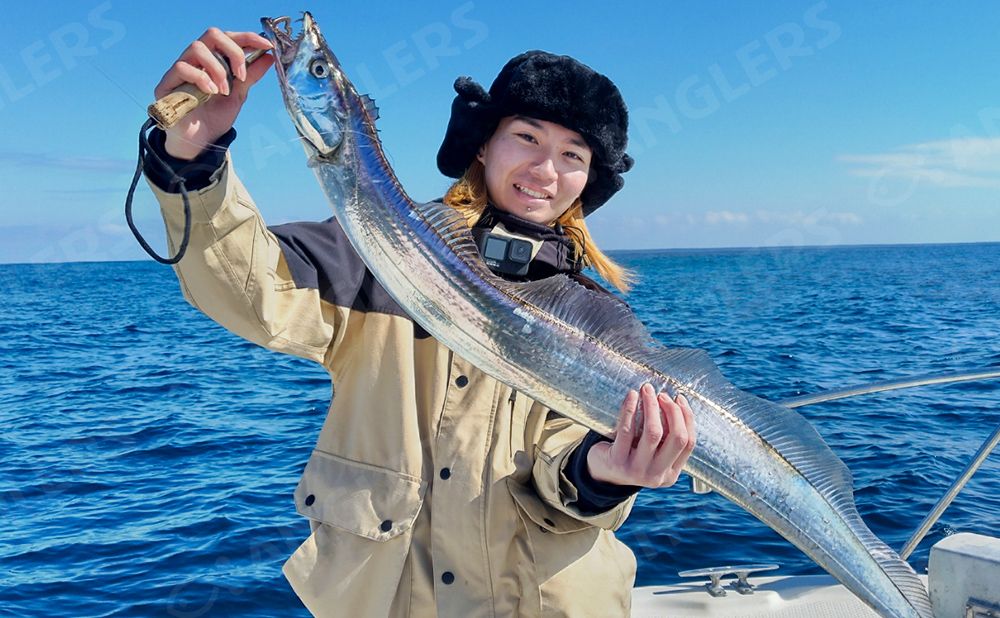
x=554, y=452
x=234, y=271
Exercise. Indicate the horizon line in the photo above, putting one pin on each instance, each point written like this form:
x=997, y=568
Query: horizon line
x=651, y=250
x=838, y=246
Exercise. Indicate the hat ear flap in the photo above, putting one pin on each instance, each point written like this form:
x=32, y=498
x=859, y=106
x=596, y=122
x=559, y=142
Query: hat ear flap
x=625, y=164
x=606, y=183
x=471, y=92
x=473, y=119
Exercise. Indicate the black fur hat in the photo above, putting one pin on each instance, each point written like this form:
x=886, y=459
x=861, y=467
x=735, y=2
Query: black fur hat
x=545, y=86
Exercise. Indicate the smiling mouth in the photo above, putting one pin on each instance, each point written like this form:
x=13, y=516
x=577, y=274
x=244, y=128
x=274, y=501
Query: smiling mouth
x=530, y=193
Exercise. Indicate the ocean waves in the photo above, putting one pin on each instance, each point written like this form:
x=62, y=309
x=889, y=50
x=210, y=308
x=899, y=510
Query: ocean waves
x=149, y=456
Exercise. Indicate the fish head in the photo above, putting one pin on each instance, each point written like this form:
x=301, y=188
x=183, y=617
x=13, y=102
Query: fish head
x=316, y=91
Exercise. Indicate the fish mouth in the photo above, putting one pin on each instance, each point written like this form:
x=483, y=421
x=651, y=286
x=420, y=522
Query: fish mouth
x=281, y=32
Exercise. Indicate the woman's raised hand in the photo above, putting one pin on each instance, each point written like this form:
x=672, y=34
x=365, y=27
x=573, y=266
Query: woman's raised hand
x=199, y=66
x=647, y=454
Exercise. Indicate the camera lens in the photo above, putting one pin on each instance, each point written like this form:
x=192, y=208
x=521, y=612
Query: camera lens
x=520, y=251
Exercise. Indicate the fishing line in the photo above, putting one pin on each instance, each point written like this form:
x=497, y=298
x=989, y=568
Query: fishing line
x=143, y=149
x=104, y=74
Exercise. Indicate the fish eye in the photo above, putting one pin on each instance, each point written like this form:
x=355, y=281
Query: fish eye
x=319, y=69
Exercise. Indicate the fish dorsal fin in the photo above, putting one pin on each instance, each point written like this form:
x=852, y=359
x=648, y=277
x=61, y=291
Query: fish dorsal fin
x=600, y=315
x=608, y=320
x=449, y=231
x=784, y=429
x=370, y=107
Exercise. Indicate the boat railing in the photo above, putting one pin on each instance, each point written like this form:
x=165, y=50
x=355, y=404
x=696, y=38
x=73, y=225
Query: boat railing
x=940, y=378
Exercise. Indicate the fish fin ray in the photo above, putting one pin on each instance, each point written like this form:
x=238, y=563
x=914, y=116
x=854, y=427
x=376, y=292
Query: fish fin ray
x=370, y=107
x=784, y=429
x=452, y=230
x=602, y=316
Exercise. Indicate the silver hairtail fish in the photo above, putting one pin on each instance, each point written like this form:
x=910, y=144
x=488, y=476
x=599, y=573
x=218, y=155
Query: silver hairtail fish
x=572, y=349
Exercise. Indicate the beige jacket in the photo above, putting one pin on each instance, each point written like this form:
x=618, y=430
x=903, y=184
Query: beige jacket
x=433, y=488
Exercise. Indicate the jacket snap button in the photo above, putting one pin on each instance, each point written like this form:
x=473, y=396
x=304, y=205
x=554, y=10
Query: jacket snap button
x=448, y=577
x=386, y=525
x=461, y=381
x=310, y=499
x=549, y=522
x=445, y=473
x=543, y=529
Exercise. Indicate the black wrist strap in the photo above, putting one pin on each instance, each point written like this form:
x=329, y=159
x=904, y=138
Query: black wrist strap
x=174, y=180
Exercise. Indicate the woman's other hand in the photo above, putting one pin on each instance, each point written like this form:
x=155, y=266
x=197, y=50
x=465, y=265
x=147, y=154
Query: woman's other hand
x=199, y=66
x=647, y=454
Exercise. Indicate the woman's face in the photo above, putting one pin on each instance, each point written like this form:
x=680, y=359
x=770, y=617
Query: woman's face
x=535, y=169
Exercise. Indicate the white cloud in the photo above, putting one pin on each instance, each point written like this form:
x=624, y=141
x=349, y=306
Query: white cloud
x=801, y=218
x=714, y=217
x=957, y=162
x=796, y=218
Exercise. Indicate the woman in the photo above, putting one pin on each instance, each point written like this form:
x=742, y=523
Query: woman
x=433, y=489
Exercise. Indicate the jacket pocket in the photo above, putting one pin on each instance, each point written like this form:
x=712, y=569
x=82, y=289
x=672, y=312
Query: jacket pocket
x=578, y=569
x=354, y=563
x=366, y=500
x=544, y=517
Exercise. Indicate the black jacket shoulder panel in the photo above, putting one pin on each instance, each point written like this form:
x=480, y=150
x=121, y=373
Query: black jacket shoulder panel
x=320, y=257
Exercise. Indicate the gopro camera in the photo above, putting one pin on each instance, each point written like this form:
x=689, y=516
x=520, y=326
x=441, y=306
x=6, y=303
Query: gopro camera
x=503, y=254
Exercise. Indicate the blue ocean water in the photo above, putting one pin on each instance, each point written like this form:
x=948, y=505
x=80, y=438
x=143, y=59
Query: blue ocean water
x=148, y=457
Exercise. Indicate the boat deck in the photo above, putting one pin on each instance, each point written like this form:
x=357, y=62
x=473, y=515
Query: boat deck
x=802, y=596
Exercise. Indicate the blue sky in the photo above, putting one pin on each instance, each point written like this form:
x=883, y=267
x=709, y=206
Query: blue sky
x=753, y=124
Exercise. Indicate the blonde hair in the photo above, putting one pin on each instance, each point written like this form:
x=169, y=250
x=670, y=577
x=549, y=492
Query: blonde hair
x=468, y=196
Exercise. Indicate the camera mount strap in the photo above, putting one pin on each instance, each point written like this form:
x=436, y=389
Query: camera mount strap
x=174, y=180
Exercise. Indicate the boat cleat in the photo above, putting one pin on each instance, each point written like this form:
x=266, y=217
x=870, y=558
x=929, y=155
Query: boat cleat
x=742, y=572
